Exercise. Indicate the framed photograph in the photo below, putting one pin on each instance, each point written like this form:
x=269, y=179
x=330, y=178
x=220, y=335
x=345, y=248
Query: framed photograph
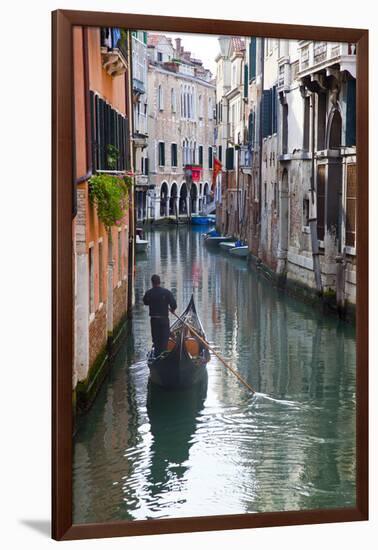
x=210, y=281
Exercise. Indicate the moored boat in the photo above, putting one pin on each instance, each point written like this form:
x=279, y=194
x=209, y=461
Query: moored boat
x=201, y=220
x=141, y=244
x=215, y=240
x=241, y=251
x=183, y=364
x=227, y=245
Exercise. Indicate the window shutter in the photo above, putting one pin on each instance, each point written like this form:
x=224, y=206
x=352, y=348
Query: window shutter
x=210, y=157
x=127, y=143
x=220, y=153
x=92, y=102
x=350, y=138
x=274, y=109
x=267, y=113
x=161, y=153
x=252, y=58
x=229, y=158
x=245, y=80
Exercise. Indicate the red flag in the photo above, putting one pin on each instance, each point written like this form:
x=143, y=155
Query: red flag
x=217, y=168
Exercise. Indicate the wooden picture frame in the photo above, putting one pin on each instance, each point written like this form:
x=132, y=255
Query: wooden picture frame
x=62, y=287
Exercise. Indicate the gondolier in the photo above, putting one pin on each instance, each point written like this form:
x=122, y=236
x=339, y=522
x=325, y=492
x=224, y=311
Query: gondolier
x=159, y=299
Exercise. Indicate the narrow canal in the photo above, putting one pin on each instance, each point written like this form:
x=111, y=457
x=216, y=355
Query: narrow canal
x=223, y=452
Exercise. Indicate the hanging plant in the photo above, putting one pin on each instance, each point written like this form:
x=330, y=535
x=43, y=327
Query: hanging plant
x=109, y=194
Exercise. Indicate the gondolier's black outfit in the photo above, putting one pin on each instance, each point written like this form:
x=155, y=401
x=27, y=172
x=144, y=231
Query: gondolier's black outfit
x=159, y=299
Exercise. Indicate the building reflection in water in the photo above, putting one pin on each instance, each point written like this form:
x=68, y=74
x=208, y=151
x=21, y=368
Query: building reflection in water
x=230, y=452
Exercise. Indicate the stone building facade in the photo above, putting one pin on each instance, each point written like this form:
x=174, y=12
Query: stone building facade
x=140, y=119
x=181, y=124
x=301, y=158
x=103, y=260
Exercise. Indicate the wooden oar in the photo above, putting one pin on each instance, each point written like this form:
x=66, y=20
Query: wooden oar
x=205, y=343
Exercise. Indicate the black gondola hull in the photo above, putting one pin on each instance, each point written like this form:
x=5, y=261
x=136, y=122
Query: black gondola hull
x=175, y=372
x=177, y=369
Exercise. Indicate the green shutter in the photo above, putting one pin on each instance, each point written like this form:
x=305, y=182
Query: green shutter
x=251, y=129
x=274, y=109
x=350, y=137
x=267, y=113
x=246, y=80
x=252, y=58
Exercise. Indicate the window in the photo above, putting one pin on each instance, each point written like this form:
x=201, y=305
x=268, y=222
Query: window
x=269, y=112
x=173, y=100
x=210, y=158
x=91, y=279
x=185, y=152
x=321, y=126
x=245, y=80
x=220, y=153
x=351, y=196
x=306, y=124
x=174, y=154
x=108, y=127
x=160, y=56
x=252, y=58
x=100, y=273
x=229, y=158
x=119, y=255
x=285, y=115
x=306, y=212
x=160, y=98
x=200, y=155
x=161, y=153
x=350, y=138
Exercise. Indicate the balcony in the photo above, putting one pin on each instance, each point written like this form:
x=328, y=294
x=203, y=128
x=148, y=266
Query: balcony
x=139, y=66
x=138, y=86
x=140, y=130
x=193, y=172
x=113, y=51
x=284, y=74
x=319, y=56
x=141, y=180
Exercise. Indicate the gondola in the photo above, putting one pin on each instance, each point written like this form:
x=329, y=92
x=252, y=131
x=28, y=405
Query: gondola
x=183, y=364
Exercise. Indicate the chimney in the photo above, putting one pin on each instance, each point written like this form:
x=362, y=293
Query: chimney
x=178, y=45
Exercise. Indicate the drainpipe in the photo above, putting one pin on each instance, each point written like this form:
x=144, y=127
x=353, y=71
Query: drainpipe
x=132, y=212
x=88, y=130
x=313, y=222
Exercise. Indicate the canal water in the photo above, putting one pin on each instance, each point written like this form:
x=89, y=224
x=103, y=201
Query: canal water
x=142, y=454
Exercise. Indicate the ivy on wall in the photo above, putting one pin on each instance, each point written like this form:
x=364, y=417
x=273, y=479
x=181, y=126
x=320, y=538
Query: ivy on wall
x=110, y=195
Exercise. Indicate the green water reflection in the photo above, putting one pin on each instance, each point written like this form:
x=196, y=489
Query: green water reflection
x=140, y=454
